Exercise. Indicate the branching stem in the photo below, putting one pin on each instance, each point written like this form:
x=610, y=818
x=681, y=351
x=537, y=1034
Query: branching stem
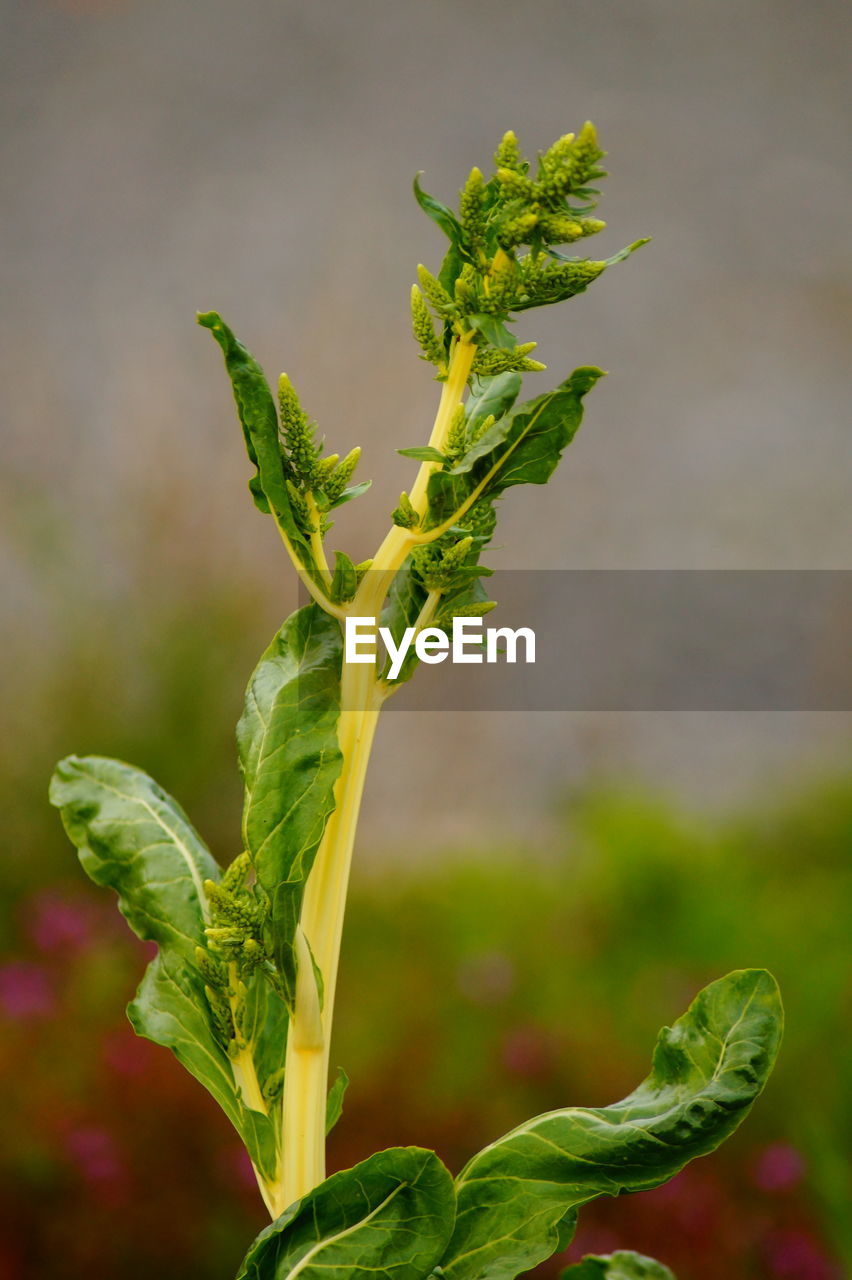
x=323, y=908
x=398, y=543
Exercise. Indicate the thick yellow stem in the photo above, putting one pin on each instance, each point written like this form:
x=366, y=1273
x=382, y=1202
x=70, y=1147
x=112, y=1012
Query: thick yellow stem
x=306, y=1065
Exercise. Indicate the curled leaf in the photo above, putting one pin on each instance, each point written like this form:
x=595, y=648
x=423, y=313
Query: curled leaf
x=707, y=1071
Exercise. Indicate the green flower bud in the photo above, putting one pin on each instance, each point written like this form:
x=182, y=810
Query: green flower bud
x=585, y=154
x=456, y=435
x=323, y=470
x=494, y=361
x=508, y=154
x=434, y=290
x=518, y=230
x=481, y=518
x=560, y=228
x=225, y=937
x=220, y=1009
x=478, y=429
x=471, y=209
x=297, y=432
x=558, y=153
x=341, y=475
x=212, y=970
x=465, y=287
x=236, y=874
x=478, y=610
x=516, y=185
x=300, y=509
x=424, y=330
x=405, y=515
x=455, y=557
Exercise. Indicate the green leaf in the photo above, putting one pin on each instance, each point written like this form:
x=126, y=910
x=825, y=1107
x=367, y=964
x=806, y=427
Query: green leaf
x=522, y=447
x=354, y=491
x=565, y=1230
x=170, y=1008
x=134, y=838
x=334, y=1102
x=423, y=453
x=492, y=397
x=344, y=582
x=389, y=1218
x=707, y=1071
x=259, y=420
x=626, y=251
x=608, y=262
x=493, y=330
x=449, y=273
x=445, y=218
x=290, y=758
x=266, y=1021
x=623, y=1265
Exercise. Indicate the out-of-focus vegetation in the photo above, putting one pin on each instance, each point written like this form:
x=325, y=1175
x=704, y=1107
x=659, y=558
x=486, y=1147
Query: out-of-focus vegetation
x=522, y=980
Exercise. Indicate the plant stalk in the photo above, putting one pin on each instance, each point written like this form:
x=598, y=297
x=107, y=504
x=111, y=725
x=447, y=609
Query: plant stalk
x=307, y=1059
x=362, y=694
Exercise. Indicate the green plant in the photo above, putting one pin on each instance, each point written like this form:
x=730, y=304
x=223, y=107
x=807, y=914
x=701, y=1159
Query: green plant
x=242, y=987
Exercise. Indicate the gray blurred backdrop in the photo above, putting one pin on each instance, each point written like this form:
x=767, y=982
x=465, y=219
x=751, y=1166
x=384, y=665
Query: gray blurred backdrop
x=256, y=157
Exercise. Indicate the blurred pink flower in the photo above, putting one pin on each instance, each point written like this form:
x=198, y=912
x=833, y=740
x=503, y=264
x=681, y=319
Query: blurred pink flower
x=779, y=1167
x=25, y=991
x=124, y=1053
x=792, y=1255
x=526, y=1051
x=57, y=924
x=94, y=1153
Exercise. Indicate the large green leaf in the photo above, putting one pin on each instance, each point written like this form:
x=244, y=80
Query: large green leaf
x=623, y=1265
x=389, y=1218
x=492, y=395
x=259, y=420
x=707, y=1071
x=134, y=838
x=290, y=758
x=522, y=447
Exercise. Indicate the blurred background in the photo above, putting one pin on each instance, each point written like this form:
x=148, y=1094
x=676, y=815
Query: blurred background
x=552, y=886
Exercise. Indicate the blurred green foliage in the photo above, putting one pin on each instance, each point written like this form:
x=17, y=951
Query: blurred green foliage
x=519, y=980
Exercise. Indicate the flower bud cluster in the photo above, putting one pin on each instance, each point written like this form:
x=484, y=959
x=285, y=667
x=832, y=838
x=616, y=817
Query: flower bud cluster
x=484, y=274
x=314, y=484
x=235, y=949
